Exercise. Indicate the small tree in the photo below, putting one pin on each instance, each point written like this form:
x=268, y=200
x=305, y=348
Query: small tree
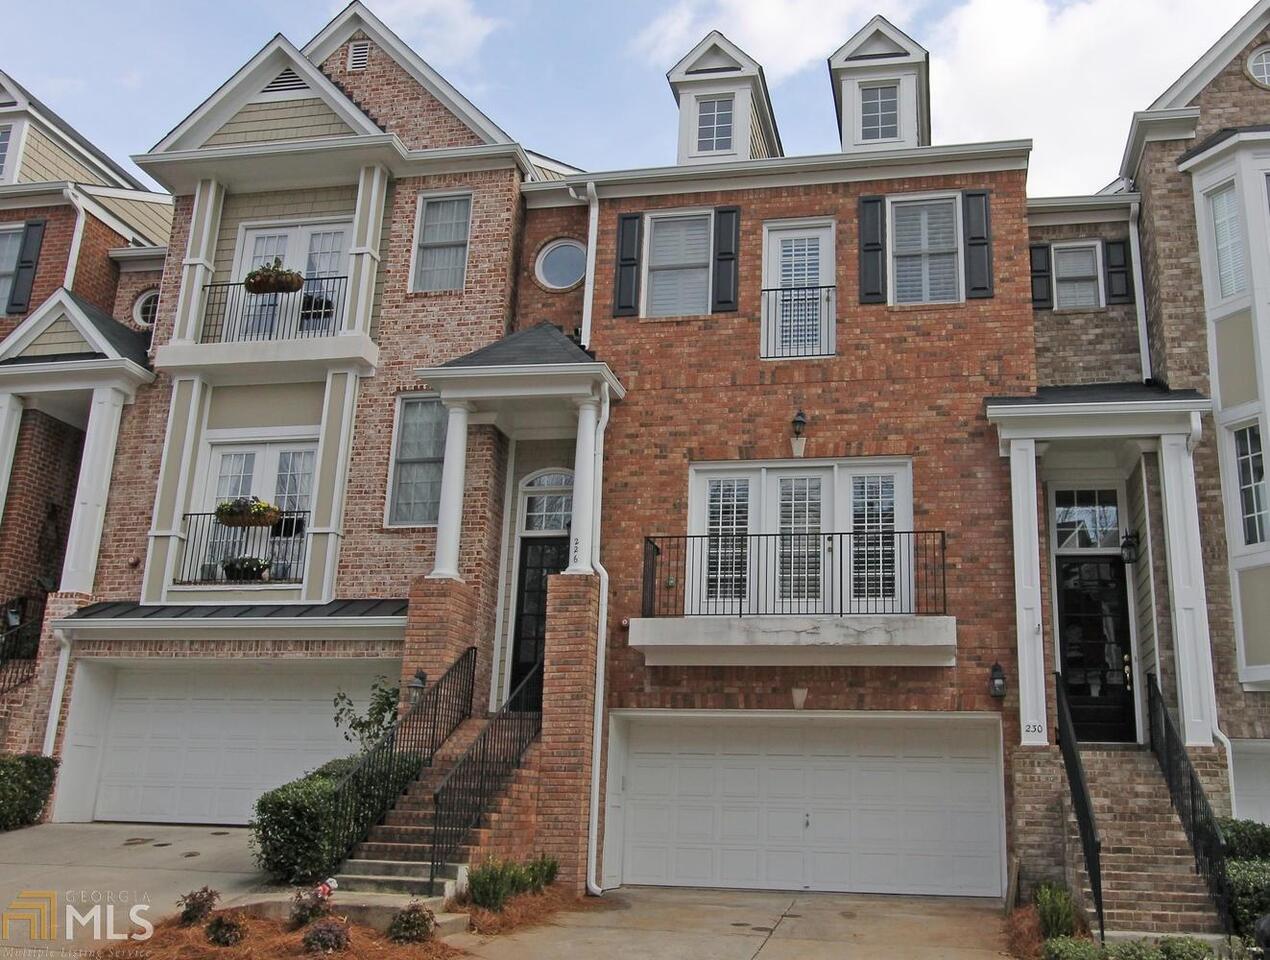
x=366, y=728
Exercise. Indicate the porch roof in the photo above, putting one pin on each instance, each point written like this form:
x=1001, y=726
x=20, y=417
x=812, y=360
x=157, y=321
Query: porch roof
x=341, y=609
x=1137, y=392
x=542, y=344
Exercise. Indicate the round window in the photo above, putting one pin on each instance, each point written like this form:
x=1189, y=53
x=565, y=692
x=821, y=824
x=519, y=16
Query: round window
x=561, y=264
x=144, y=310
x=1259, y=66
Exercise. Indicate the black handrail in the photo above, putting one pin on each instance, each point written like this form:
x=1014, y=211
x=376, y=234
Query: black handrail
x=20, y=643
x=232, y=314
x=797, y=322
x=824, y=574
x=468, y=790
x=1082, y=805
x=370, y=789
x=210, y=546
x=1186, y=791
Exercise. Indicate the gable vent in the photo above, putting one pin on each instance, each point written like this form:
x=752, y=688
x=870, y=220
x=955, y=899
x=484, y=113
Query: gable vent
x=287, y=81
x=358, y=54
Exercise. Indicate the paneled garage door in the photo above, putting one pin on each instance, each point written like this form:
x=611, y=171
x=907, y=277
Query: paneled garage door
x=199, y=745
x=861, y=805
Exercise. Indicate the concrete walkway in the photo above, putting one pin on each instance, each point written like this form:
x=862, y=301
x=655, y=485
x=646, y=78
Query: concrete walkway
x=683, y=924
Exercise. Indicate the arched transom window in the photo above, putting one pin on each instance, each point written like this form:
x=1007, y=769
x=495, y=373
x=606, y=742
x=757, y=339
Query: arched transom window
x=548, y=499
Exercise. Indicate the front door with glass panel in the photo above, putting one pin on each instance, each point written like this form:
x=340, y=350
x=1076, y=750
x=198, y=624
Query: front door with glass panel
x=1094, y=638
x=319, y=251
x=798, y=295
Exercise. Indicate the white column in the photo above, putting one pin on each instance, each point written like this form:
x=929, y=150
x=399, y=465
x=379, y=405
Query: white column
x=453, y=476
x=1192, y=654
x=1027, y=593
x=583, y=489
x=89, y=513
x=11, y=407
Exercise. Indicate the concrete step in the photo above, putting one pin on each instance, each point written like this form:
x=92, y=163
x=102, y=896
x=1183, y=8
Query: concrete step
x=373, y=909
x=417, y=852
x=407, y=886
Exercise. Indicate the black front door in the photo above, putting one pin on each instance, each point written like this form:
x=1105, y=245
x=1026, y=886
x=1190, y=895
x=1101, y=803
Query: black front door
x=1094, y=647
x=540, y=557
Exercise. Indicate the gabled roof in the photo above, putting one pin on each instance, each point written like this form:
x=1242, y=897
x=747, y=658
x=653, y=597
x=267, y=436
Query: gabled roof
x=1202, y=72
x=543, y=344
x=357, y=17
x=248, y=81
x=103, y=337
x=24, y=99
x=881, y=42
x=717, y=57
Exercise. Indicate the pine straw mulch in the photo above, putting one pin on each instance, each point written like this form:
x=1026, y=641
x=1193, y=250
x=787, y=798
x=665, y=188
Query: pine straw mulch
x=266, y=940
x=527, y=910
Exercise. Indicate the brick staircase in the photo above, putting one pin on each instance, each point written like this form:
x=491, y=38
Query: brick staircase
x=1149, y=882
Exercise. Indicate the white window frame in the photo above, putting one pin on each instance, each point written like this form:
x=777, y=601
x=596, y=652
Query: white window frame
x=554, y=245
x=825, y=226
x=389, y=523
x=1228, y=421
x=698, y=100
x=6, y=228
x=421, y=201
x=900, y=198
x=873, y=84
x=137, y=318
x=300, y=229
x=1214, y=257
x=10, y=150
x=1260, y=51
x=1098, y=271
x=646, y=250
x=526, y=491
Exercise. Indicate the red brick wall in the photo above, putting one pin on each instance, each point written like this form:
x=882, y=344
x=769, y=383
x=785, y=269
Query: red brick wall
x=534, y=302
x=50, y=272
x=133, y=283
x=96, y=275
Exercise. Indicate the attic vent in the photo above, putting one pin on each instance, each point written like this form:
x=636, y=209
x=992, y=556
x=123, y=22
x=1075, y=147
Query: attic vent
x=358, y=54
x=285, y=82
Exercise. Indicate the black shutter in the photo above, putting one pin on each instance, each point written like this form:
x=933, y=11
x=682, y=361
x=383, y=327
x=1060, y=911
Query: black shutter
x=873, y=250
x=1042, y=276
x=727, y=243
x=626, y=276
x=28, y=257
x=978, y=227
x=1115, y=258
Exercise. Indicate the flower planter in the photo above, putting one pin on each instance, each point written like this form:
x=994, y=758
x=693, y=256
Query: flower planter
x=273, y=278
x=245, y=570
x=262, y=518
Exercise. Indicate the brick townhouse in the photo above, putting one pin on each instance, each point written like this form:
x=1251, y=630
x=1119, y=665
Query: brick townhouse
x=770, y=494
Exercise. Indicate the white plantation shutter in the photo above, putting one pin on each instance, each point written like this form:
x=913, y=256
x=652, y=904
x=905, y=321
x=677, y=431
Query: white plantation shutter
x=1228, y=236
x=443, y=233
x=800, y=501
x=925, y=250
x=728, y=522
x=1075, y=277
x=679, y=266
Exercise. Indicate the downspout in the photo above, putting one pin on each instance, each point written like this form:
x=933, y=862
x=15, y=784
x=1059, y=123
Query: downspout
x=77, y=237
x=1139, y=290
x=59, y=691
x=592, y=234
x=593, y=885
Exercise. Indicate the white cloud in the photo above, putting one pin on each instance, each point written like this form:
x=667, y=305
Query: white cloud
x=447, y=33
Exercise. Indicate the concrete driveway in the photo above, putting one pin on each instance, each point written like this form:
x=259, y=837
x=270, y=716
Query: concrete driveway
x=683, y=924
x=147, y=863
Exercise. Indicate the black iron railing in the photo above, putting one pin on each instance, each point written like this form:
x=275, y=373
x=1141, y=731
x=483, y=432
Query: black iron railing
x=20, y=641
x=798, y=322
x=468, y=790
x=231, y=314
x=213, y=551
x=1191, y=802
x=1082, y=805
x=825, y=574
x=370, y=789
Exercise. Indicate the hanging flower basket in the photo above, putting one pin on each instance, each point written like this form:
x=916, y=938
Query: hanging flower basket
x=245, y=569
x=247, y=512
x=273, y=278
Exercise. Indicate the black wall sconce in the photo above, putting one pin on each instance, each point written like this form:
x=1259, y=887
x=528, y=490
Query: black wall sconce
x=798, y=443
x=1129, y=547
x=416, y=685
x=996, y=682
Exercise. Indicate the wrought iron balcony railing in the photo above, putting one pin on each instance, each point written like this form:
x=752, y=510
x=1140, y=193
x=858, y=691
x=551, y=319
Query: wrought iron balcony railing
x=232, y=314
x=775, y=574
x=222, y=555
x=798, y=322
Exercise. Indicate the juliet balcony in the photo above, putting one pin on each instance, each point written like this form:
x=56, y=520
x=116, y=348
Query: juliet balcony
x=225, y=556
x=791, y=598
x=233, y=314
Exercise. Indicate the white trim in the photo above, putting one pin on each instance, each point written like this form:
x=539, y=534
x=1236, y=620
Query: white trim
x=136, y=307
x=12, y=155
x=873, y=83
x=646, y=247
x=175, y=624
x=422, y=198
x=500, y=654
x=828, y=226
x=553, y=245
x=693, y=149
x=392, y=458
x=898, y=198
x=1202, y=71
x=1098, y=273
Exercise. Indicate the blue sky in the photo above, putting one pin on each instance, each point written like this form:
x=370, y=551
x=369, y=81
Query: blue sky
x=585, y=81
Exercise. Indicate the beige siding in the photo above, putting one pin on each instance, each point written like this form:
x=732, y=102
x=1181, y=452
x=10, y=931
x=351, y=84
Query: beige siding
x=280, y=120
x=382, y=268
x=1144, y=609
x=757, y=147
x=152, y=219
x=44, y=160
x=266, y=405
x=1236, y=360
x=60, y=337
x=543, y=173
x=1254, y=609
x=280, y=205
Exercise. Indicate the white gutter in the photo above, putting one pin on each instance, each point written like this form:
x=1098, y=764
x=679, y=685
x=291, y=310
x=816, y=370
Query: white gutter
x=59, y=691
x=592, y=237
x=593, y=884
x=77, y=238
x=1139, y=289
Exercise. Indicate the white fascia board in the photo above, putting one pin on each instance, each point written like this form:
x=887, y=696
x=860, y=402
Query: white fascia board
x=51, y=194
x=998, y=413
x=1220, y=149
x=121, y=193
x=1201, y=73
x=539, y=372
x=276, y=361
x=1088, y=202
x=138, y=255
x=1151, y=125
x=819, y=168
x=29, y=378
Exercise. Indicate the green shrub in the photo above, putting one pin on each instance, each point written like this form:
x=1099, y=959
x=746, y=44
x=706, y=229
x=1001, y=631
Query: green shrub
x=197, y=904
x=1072, y=948
x=542, y=872
x=307, y=907
x=1246, y=839
x=413, y=923
x=1133, y=950
x=1185, y=948
x=294, y=830
x=490, y=884
x=1056, y=910
x=326, y=936
x=226, y=929
x=1250, y=892
x=26, y=781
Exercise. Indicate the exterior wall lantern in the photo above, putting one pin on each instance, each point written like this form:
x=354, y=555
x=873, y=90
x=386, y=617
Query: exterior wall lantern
x=1129, y=547
x=798, y=443
x=416, y=685
x=996, y=682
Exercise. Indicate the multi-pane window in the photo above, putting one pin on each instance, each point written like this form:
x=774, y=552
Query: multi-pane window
x=714, y=125
x=1086, y=519
x=679, y=265
x=798, y=294
x=295, y=479
x=1076, y=283
x=5, y=134
x=799, y=573
x=925, y=251
x=10, y=244
x=1250, y=469
x=873, y=544
x=234, y=479
x=879, y=112
x=1228, y=240
x=727, y=526
x=441, y=257
x=549, y=502
x=417, y=459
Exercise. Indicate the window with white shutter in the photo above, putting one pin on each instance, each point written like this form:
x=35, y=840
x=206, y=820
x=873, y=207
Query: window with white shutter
x=441, y=243
x=728, y=524
x=924, y=251
x=678, y=277
x=1228, y=240
x=1077, y=276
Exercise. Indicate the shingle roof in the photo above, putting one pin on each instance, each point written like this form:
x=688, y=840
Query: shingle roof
x=132, y=344
x=1100, y=393
x=543, y=344
x=282, y=611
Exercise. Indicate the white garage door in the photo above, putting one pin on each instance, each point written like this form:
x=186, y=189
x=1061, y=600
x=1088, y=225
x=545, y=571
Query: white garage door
x=199, y=745
x=887, y=806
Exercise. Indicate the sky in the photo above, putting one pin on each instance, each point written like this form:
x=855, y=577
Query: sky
x=584, y=80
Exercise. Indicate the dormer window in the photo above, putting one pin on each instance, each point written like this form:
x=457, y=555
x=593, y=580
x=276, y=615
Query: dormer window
x=880, y=112
x=714, y=125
